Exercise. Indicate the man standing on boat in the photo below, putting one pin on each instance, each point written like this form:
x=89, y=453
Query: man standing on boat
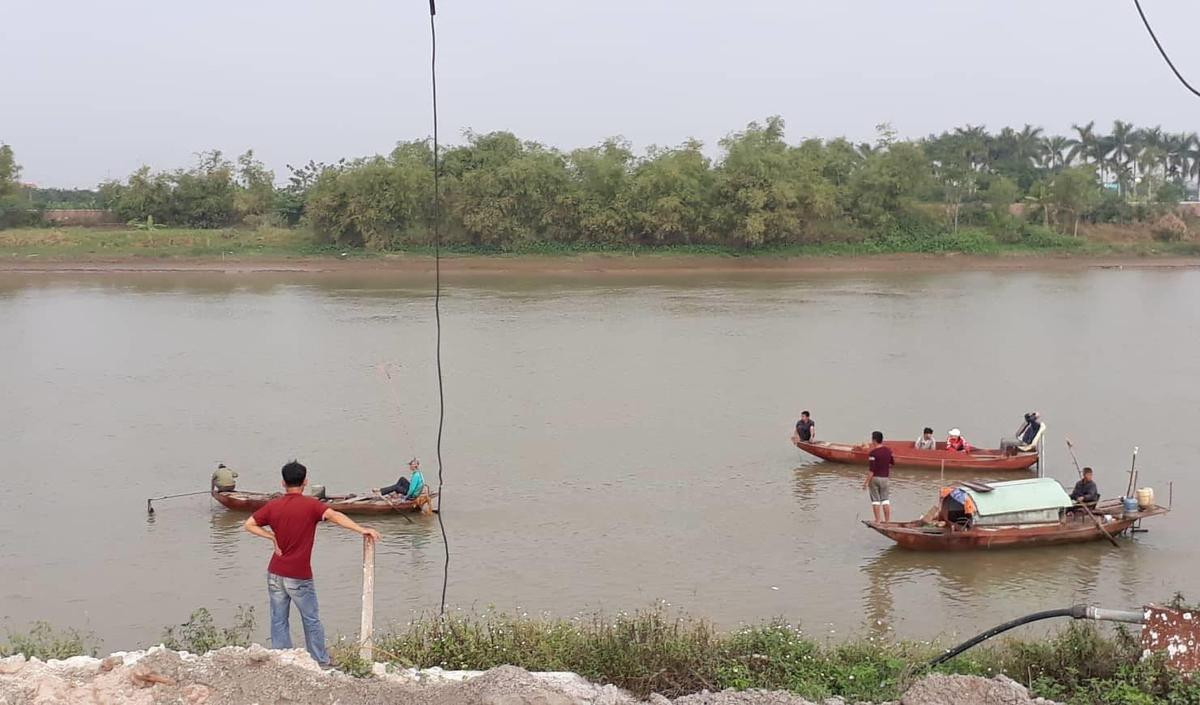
x=926, y=441
x=293, y=519
x=879, y=468
x=805, y=427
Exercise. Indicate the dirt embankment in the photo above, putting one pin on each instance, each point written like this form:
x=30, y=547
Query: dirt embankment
x=598, y=264
x=236, y=676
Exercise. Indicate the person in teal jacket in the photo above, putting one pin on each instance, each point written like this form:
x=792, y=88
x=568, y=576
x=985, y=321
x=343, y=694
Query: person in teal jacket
x=410, y=486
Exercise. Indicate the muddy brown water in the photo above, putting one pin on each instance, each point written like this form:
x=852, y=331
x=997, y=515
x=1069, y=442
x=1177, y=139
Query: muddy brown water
x=610, y=441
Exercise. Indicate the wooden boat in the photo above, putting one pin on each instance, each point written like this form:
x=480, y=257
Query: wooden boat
x=1031, y=512
x=346, y=504
x=906, y=454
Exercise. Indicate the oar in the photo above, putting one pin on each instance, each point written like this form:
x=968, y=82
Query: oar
x=1086, y=508
x=150, y=507
x=398, y=509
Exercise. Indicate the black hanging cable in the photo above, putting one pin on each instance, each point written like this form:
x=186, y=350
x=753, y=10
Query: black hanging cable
x=1158, y=44
x=437, y=297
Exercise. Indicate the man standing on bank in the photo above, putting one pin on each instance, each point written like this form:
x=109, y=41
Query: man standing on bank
x=879, y=468
x=293, y=519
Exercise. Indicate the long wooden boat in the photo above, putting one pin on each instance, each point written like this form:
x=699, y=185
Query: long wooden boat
x=907, y=455
x=1034, y=512
x=346, y=504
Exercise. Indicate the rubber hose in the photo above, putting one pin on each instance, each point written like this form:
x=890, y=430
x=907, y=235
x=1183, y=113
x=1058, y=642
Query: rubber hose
x=1076, y=612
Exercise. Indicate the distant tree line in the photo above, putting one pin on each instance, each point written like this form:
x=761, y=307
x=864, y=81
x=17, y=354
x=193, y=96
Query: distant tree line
x=501, y=192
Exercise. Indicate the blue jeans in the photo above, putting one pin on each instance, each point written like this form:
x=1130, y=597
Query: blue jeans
x=283, y=591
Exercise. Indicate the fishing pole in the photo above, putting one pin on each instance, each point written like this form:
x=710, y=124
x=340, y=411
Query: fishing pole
x=150, y=507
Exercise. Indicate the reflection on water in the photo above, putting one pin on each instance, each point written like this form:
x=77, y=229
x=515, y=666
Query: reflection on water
x=609, y=441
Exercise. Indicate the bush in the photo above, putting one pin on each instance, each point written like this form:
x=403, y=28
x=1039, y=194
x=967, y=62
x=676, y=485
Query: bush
x=45, y=642
x=200, y=635
x=1170, y=228
x=1039, y=237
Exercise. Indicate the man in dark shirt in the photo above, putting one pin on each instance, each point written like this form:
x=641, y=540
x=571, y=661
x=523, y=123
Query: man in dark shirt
x=1086, y=491
x=293, y=519
x=805, y=427
x=879, y=468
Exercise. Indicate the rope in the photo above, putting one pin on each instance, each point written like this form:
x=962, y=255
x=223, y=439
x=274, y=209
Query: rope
x=437, y=297
x=1158, y=44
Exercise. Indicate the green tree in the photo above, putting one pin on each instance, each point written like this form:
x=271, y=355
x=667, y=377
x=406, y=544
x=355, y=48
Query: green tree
x=670, y=196
x=255, y=193
x=884, y=188
x=10, y=171
x=1075, y=190
x=767, y=191
x=15, y=209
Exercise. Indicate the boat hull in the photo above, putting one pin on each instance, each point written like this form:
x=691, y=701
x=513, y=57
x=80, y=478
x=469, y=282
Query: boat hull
x=1077, y=528
x=253, y=501
x=908, y=456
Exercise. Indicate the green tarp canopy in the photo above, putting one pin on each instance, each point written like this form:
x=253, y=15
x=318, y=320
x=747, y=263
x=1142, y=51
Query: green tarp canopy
x=1034, y=494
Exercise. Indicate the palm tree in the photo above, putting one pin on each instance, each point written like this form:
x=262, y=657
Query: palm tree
x=1028, y=143
x=1083, y=145
x=1052, y=151
x=1125, y=148
x=975, y=143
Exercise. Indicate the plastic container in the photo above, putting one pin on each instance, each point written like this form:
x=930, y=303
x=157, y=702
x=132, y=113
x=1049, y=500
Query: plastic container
x=1145, y=497
x=1129, y=504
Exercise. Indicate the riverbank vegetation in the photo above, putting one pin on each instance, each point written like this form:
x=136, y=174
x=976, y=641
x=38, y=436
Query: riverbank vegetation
x=655, y=651
x=966, y=189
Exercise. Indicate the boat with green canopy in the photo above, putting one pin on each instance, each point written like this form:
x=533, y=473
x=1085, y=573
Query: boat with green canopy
x=1031, y=512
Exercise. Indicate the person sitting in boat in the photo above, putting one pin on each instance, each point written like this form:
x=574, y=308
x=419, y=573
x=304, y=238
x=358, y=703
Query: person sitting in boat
x=955, y=441
x=1086, y=492
x=926, y=441
x=1027, y=437
x=410, y=486
x=805, y=428
x=223, y=479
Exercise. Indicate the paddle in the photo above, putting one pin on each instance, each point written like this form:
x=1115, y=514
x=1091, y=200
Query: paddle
x=1086, y=508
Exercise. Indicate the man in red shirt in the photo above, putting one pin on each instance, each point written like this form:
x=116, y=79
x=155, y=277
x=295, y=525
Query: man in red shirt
x=879, y=468
x=293, y=519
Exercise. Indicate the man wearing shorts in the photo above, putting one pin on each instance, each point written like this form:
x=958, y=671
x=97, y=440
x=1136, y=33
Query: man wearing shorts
x=879, y=468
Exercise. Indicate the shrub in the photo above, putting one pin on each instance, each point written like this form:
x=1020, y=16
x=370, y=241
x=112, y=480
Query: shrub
x=200, y=634
x=45, y=642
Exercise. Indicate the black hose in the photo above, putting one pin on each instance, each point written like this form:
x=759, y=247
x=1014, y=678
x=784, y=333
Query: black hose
x=1076, y=612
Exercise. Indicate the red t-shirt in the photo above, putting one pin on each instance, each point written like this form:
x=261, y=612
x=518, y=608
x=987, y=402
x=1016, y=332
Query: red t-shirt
x=880, y=461
x=294, y=519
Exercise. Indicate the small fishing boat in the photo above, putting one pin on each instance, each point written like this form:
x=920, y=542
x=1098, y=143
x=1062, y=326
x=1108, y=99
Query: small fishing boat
x=1030, y=512
x=346, y=504
x=906, y=454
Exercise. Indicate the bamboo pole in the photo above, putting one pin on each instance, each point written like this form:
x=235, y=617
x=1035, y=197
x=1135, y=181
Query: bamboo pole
x=366, y=628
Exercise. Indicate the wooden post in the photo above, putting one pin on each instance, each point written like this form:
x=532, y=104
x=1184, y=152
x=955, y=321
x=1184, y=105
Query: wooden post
x=366, y=628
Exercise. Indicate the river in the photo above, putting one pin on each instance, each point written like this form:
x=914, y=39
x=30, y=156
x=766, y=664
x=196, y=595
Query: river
x=610, y=442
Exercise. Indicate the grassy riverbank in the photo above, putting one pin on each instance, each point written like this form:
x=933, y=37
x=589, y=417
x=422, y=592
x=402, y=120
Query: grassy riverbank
x=653, y=651
x=130, y=244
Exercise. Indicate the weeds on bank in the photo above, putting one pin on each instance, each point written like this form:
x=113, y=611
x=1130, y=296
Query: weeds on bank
x=657, y=651
x=200, y=634
x=45, y=642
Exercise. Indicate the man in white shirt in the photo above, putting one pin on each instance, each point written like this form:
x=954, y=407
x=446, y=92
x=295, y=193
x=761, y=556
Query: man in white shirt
x=926, y=441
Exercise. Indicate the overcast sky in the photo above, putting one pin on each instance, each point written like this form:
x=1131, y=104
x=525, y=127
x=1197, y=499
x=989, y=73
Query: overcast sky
x=91, y=90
